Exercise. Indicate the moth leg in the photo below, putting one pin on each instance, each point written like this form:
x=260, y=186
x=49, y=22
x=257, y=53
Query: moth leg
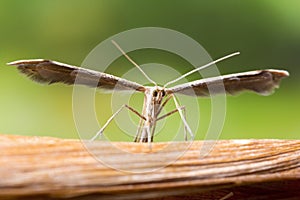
x=171, y=112
x=140, y=134
x=153, y=130
x=163, y=105
x=183, y=117
x=158, y=112
x=174, y=111
x=145, y=134
x=149, y=137
x=185, y=129
x=139, y=131
x=99, y=133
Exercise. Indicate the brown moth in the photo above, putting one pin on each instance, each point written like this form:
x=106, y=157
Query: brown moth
x=156, y=97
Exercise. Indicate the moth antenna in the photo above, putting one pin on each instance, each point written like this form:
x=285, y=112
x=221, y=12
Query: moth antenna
x=134, y=63
x=201, y=67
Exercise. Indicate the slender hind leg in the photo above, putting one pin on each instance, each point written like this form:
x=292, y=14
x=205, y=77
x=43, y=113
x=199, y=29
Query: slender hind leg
x=139, y=131
x=185, y=129
x=183, y=118
x=158, y=112
x=171, y=112
x=174, y=111
x=99, y=133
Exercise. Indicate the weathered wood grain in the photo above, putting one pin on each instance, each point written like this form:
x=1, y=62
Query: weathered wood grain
x=50, y=168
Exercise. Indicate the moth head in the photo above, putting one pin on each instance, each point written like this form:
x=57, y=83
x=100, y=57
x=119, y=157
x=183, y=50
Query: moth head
x=158, y=93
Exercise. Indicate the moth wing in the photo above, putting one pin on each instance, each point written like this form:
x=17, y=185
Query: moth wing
x=260, y=81
x=49, y=72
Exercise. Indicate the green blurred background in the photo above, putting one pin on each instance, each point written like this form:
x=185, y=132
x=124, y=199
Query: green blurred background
x=266, y=32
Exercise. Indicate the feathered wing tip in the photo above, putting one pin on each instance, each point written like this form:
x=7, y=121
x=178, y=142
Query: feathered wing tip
x=31, y=69
x=267, y=80
x=278, y=75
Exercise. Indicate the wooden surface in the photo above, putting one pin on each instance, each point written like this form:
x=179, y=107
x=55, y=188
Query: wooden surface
x=50, y=168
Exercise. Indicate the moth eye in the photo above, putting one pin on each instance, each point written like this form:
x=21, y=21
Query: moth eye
x=155, y=93
x=163, y=93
